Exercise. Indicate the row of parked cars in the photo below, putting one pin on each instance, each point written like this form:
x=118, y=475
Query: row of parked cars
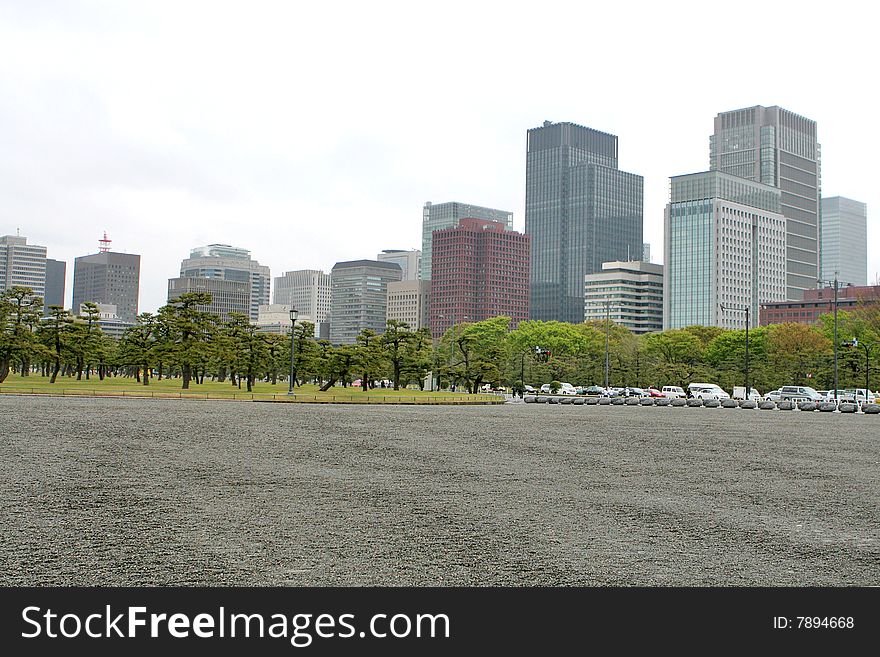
x=706, y=391
x=799, y=393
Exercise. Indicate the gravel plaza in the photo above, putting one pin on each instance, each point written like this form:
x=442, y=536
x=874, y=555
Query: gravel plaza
x=164, y=492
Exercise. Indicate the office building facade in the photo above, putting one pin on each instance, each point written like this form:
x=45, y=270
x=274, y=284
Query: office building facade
x=22, y=264
x=409, y=301
x=480, y=271
x=581, y=211
x=56, y=275
x=410, y=262
x=817, y=303
x=447, y=215
x=779, y=148
x=844, y=244
x=230, y=263
x=359, y=298
x=307, y=290
x=627, y=293
x=226, y=296
x=724, y=241
x=110, y=278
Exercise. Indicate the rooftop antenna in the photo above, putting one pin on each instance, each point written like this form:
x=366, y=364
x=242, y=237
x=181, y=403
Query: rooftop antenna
x=104, y=244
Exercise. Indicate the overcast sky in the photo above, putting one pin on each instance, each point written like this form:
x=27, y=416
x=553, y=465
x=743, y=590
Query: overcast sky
x=313, y=132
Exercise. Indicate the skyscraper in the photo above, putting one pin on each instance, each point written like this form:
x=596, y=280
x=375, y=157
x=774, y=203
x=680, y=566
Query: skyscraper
x=227, y=296
x=230, y=263
x=307, y=290
x=581, y=211
x=22, y=264
x=724, y=245
x=447, y=215
x=359, y=298
x=108, y=277
x=776, y=147
x=480, y=271
x=56, y=273
x=844, y=244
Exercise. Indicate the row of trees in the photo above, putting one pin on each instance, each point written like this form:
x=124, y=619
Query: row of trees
x=183, y=340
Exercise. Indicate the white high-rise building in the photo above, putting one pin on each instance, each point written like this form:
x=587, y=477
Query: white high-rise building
x=627, y=293
x=724, y=243
x=307, y=290
x=777, y=147
x=22, y=264
x=230, y=263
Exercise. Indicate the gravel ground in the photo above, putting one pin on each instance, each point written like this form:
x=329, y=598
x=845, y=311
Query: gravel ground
x=150, y=492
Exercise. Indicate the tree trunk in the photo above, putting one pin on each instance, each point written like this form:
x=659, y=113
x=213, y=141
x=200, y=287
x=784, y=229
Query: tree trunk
x=329, y=384
x=187, y=375
x=55, y=371
x=4, y=369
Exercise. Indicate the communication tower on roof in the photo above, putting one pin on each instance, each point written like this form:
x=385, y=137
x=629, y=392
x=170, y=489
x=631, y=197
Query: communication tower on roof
x=104, y=244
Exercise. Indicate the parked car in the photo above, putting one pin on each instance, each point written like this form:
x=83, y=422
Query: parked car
x=799, y=393
x=773, y=395
x=635, y=392
x=594, y=391
x=708, y=391
x=545, y=388
x=842, y=395
x=567, y=389
x=528, y=388
x=673, y=392
x=653, y=392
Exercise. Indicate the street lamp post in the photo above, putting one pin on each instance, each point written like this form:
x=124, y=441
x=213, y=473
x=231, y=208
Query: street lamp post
x=607, y=329
x=836, y=284
x=746, y=308
x=293, y=315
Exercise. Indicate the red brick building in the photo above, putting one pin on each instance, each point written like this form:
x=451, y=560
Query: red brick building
x=478, y=270
x=816, y=303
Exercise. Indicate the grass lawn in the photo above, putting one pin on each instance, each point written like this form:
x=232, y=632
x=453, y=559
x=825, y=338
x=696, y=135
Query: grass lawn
x=127, y=387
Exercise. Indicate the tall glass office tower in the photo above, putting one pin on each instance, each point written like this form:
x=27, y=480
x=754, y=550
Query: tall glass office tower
x=581, y=211
x=844, y=240
x=777, y=147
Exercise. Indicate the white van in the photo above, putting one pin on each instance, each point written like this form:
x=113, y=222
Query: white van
x=567, y=389
x=673, y=392
x=799, y=393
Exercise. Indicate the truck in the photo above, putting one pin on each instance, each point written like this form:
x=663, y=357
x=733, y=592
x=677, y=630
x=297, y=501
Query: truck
x=739, y=392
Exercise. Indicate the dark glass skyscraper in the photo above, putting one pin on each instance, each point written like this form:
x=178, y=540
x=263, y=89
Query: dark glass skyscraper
x=581, y=211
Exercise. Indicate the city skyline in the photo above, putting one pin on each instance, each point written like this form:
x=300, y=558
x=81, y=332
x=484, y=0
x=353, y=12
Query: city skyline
x=173, y=146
